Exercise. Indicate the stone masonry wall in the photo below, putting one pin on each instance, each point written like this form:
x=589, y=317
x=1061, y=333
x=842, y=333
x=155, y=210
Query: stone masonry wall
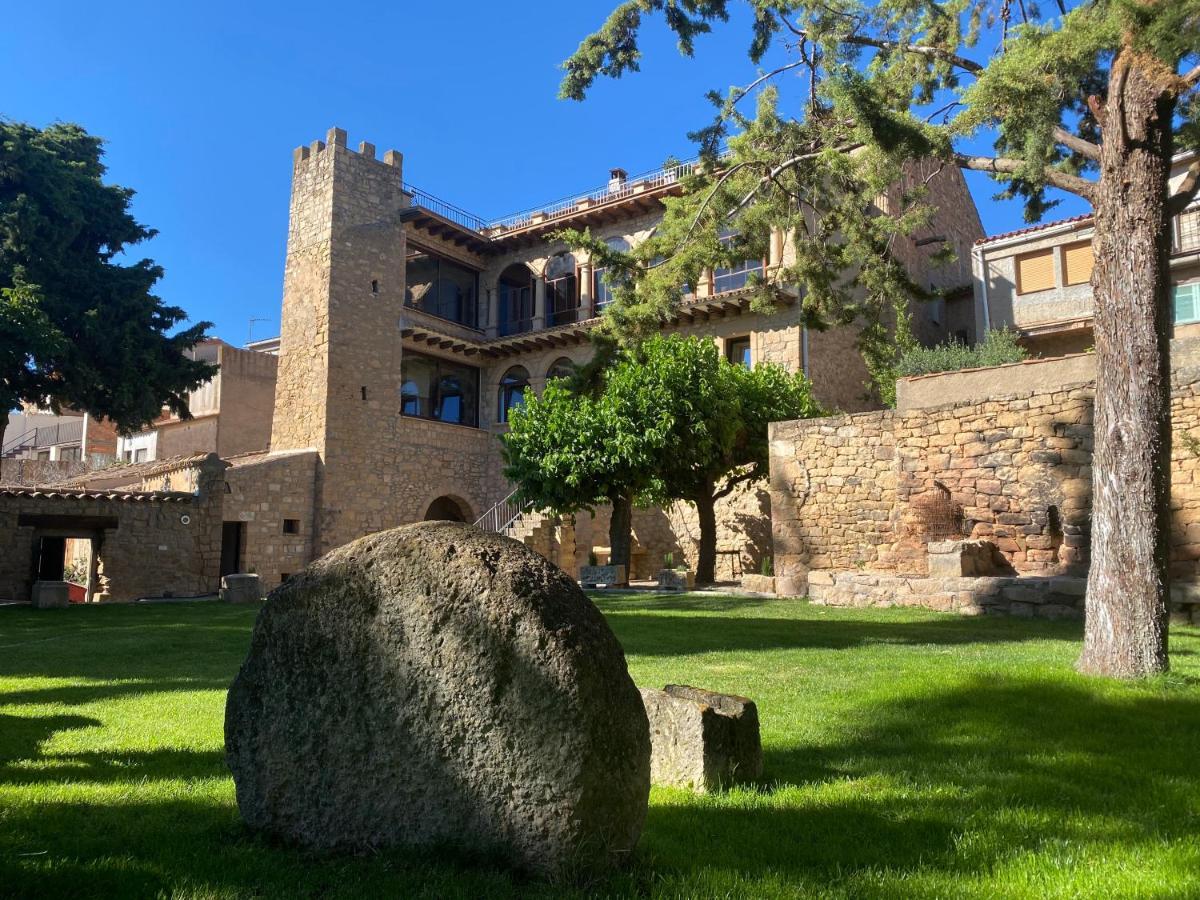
x=265, y=490
x=869, y=491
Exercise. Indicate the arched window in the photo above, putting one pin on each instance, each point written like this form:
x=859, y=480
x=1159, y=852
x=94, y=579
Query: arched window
x=562, y=291
x=562, y=368
x=602, y=281
x=512, y=391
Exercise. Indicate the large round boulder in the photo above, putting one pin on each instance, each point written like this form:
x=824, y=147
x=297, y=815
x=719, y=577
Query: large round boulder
x=435, y=685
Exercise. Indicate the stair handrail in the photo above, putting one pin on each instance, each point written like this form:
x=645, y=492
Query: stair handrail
x=503, y=514
x=19, y=443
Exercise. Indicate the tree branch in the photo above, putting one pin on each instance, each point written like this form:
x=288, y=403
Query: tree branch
x=1187, y=190
x=742, y=92
x=745, y=475
x=858, y=40
x=1076, y=143
x=1073, y=184
x=1191, y=78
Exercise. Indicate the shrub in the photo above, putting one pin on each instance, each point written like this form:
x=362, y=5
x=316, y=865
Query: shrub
x=997, y=348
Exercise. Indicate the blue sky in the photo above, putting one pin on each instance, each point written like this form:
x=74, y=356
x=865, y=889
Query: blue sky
x=201, y=105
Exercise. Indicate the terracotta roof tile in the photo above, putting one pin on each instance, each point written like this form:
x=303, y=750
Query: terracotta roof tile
x=1085, y=217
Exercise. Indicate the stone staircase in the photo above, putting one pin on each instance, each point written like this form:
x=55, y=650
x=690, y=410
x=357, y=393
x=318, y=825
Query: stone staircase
x=535, y=529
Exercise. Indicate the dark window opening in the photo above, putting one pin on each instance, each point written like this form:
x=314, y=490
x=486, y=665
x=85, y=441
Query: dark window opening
x=291, y=526
x=562, y=368
x=562, y=290
x=364, y=392
x=514, y=295
x=603, y=282
x=513, y=386
x=438, y=389
x=442, y=287
x=737, y=351
x=374, y=286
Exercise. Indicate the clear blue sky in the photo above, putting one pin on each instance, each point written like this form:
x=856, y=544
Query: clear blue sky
x=202, y=103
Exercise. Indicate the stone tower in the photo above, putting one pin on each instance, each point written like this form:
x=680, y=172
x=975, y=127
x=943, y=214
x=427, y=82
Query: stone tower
x=339, y=365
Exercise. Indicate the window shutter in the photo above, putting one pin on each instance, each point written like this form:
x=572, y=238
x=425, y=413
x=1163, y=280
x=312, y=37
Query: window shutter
x=1035, y=272
x=1187, y=303
x=1077, y=263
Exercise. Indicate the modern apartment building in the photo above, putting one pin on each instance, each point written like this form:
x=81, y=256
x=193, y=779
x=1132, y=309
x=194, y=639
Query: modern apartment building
x=1038, y=280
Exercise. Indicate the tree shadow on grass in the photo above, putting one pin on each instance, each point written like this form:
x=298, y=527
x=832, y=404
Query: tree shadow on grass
x=959, y=782
x=673, y=635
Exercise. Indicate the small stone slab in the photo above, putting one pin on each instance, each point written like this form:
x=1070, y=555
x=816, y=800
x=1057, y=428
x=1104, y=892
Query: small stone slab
x=700, y=739
x=50, y=595
x=606, y=576
x=676, y=580
x=240, y=589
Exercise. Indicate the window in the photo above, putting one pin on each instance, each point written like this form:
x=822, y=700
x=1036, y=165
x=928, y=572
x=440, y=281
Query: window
x=514, y=294
x=1188, y=230
x=562, y=294
x=291, y=526
x=737, y=275
x=441, y=288
x=1186, y=303
x=1077, y=263
x=70, y=454
x=432, y=388
x=512, y=391
x=737, y=351
x=140, y=454
x=1035, y=272
x=602, y=285
x=562, y=368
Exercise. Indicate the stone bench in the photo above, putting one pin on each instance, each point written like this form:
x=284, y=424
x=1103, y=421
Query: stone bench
x=240, y=589
x=700, y=739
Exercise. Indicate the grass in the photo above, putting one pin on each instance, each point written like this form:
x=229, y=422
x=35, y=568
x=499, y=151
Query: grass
x=908, y=754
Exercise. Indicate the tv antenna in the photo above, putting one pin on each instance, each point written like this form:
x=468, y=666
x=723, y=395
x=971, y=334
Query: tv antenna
x=250, y=330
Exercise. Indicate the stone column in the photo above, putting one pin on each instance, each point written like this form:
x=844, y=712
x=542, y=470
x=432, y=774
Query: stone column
x=539, y=303
x=585, y=292
x=492, y=320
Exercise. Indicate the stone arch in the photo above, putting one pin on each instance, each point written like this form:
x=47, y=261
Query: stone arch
x=448, y=507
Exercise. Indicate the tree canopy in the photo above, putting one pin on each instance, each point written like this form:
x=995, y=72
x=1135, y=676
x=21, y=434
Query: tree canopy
x=79, y=328
x=671, y=420
x=1091, y=97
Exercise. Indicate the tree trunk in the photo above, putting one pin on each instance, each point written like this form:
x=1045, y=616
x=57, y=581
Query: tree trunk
x=620, y=532
x=1129, y=580
x=706, y=565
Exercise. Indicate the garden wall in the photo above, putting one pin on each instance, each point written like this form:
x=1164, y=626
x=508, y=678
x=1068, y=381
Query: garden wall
x=870, y=491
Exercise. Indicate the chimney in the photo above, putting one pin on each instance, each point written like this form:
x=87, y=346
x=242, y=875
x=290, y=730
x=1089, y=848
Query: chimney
x=616, y=180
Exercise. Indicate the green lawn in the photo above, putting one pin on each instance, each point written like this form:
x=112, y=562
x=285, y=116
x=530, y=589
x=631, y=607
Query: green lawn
x=908, y=754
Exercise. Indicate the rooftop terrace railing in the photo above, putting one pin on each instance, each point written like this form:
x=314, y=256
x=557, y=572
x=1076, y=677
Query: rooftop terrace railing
x=636, y=184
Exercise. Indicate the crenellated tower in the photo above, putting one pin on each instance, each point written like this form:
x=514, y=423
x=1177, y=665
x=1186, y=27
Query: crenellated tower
x=339, y=366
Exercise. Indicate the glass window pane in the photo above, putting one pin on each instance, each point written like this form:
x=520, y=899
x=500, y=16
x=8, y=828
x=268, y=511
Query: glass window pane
x=1187, y=303
x=432, y=388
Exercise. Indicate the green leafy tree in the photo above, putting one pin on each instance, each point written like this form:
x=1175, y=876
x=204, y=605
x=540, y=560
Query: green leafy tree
x=570, y=451
x=78, y=328
x=1093, y=98
x=707, y=418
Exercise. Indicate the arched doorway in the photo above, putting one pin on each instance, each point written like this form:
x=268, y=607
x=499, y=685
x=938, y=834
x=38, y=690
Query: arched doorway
x=448, y=509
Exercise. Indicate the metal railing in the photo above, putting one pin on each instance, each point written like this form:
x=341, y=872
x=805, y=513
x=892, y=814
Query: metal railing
x=501, y=517
x=62, y=433
x=446, y=210
x=18, y=444
x=636, y=184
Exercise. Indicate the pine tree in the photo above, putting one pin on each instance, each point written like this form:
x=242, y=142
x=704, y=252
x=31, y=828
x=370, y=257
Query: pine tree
x=80, y=329
x=1092, y=98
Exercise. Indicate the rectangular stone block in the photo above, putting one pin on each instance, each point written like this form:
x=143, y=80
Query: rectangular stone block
x=607, y=576
x=50, y=595
x=676, y=580
x=240, y=589
x=700, y=739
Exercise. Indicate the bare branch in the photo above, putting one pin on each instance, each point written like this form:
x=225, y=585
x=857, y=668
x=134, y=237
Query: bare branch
x=741, y=94
x=1188, y=189
x=751, y=474
x=1191, y=79
x=783, y=167
x=859, y=40
x=1071, y=183
x=1076, y=143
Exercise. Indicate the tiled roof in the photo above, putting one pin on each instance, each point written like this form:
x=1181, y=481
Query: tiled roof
x=66, y=493
x=1041, y=226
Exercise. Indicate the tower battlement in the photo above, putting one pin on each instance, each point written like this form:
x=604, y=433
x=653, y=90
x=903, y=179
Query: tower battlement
x=336, y=137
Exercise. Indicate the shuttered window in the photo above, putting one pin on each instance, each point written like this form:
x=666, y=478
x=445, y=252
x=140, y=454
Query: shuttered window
x=1035, y=272
x=1187, y=303
x=1077, y=263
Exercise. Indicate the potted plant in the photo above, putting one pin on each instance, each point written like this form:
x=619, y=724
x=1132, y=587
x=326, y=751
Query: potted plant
x=675, y=578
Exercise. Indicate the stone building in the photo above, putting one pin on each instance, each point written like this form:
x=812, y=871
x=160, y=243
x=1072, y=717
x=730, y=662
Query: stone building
x=1038, y=280
x=410, y=327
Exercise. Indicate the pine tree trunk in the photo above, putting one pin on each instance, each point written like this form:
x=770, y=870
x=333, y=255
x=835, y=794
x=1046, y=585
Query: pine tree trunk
x=706, y=565
x=1129, y=580
x=620, y=532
